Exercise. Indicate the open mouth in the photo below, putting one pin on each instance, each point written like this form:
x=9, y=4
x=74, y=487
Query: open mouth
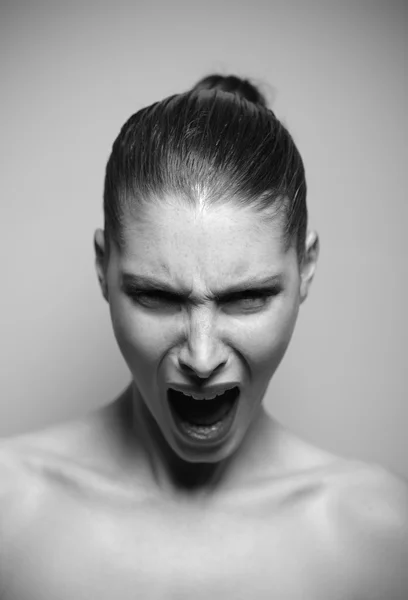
x=202, y=413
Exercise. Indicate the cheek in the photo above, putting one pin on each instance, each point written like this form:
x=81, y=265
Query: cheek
x=261, y=339
x=138, y=337
x=266, y=341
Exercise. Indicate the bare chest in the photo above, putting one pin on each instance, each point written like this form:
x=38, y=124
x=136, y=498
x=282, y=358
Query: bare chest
x=78, y=551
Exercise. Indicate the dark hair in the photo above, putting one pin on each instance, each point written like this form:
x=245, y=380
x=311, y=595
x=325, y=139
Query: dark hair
x=218, y=143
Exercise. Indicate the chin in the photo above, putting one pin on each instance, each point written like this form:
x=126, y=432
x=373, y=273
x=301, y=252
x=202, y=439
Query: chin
x=204, y=453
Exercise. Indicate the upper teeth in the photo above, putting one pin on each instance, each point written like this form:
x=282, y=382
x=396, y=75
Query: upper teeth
x=191, y=395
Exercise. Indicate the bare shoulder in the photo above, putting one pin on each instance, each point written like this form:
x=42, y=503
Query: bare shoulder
x=18, y=481
x=25, y=462
x=368, y=507
x=13, y=473
x=371, y=487
x=371, y=496
x=24, y=457
x=77, y=441
x=19, y=497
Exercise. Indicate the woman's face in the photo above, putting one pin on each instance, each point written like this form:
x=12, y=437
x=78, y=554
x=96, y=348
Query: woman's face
x=196, y=338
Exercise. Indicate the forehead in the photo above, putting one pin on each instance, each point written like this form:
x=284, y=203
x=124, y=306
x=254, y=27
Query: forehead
x=213, y=244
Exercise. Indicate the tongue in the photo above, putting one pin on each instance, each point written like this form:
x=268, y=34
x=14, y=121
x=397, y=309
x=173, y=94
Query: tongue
x=202, y=412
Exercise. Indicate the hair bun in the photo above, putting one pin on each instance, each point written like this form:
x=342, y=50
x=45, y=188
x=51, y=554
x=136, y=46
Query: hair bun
x=234, y=85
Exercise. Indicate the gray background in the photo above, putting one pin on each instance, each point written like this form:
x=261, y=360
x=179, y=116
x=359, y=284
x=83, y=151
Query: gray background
x=73, y=72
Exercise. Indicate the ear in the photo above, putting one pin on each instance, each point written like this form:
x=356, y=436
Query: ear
x=308, y=267
x=100, y=261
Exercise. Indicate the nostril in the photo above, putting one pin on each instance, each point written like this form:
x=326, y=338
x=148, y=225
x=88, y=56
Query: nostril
x=197, y=374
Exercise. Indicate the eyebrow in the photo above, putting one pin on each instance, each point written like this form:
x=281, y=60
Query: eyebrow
x=147, y=282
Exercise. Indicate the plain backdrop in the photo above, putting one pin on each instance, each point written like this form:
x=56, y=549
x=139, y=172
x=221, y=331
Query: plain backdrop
x=334, y=73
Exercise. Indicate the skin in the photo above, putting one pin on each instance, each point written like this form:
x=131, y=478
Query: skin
x=115, y=504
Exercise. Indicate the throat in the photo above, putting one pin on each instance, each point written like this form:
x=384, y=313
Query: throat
x=174, y=478
x=204, y=413
x=162, y=471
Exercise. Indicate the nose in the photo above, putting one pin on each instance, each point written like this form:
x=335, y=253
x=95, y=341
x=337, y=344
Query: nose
x=203, y=354
x=200, y=369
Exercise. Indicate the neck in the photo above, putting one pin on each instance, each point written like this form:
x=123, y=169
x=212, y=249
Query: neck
x=161, y=468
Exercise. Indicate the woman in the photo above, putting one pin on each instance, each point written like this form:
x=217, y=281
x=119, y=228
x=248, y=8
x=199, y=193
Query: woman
x=184, y=486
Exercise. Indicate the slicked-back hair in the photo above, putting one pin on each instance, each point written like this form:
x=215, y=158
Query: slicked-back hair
x=214, y=145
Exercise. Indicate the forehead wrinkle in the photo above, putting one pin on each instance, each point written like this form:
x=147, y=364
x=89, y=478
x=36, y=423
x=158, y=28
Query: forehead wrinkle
x=176, y=275
x=163, y=267
x=240, y=272
x=202, y=217
x=186, y=264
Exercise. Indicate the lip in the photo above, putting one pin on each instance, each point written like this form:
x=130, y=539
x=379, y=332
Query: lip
x=209, y=436
x=203, y=392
